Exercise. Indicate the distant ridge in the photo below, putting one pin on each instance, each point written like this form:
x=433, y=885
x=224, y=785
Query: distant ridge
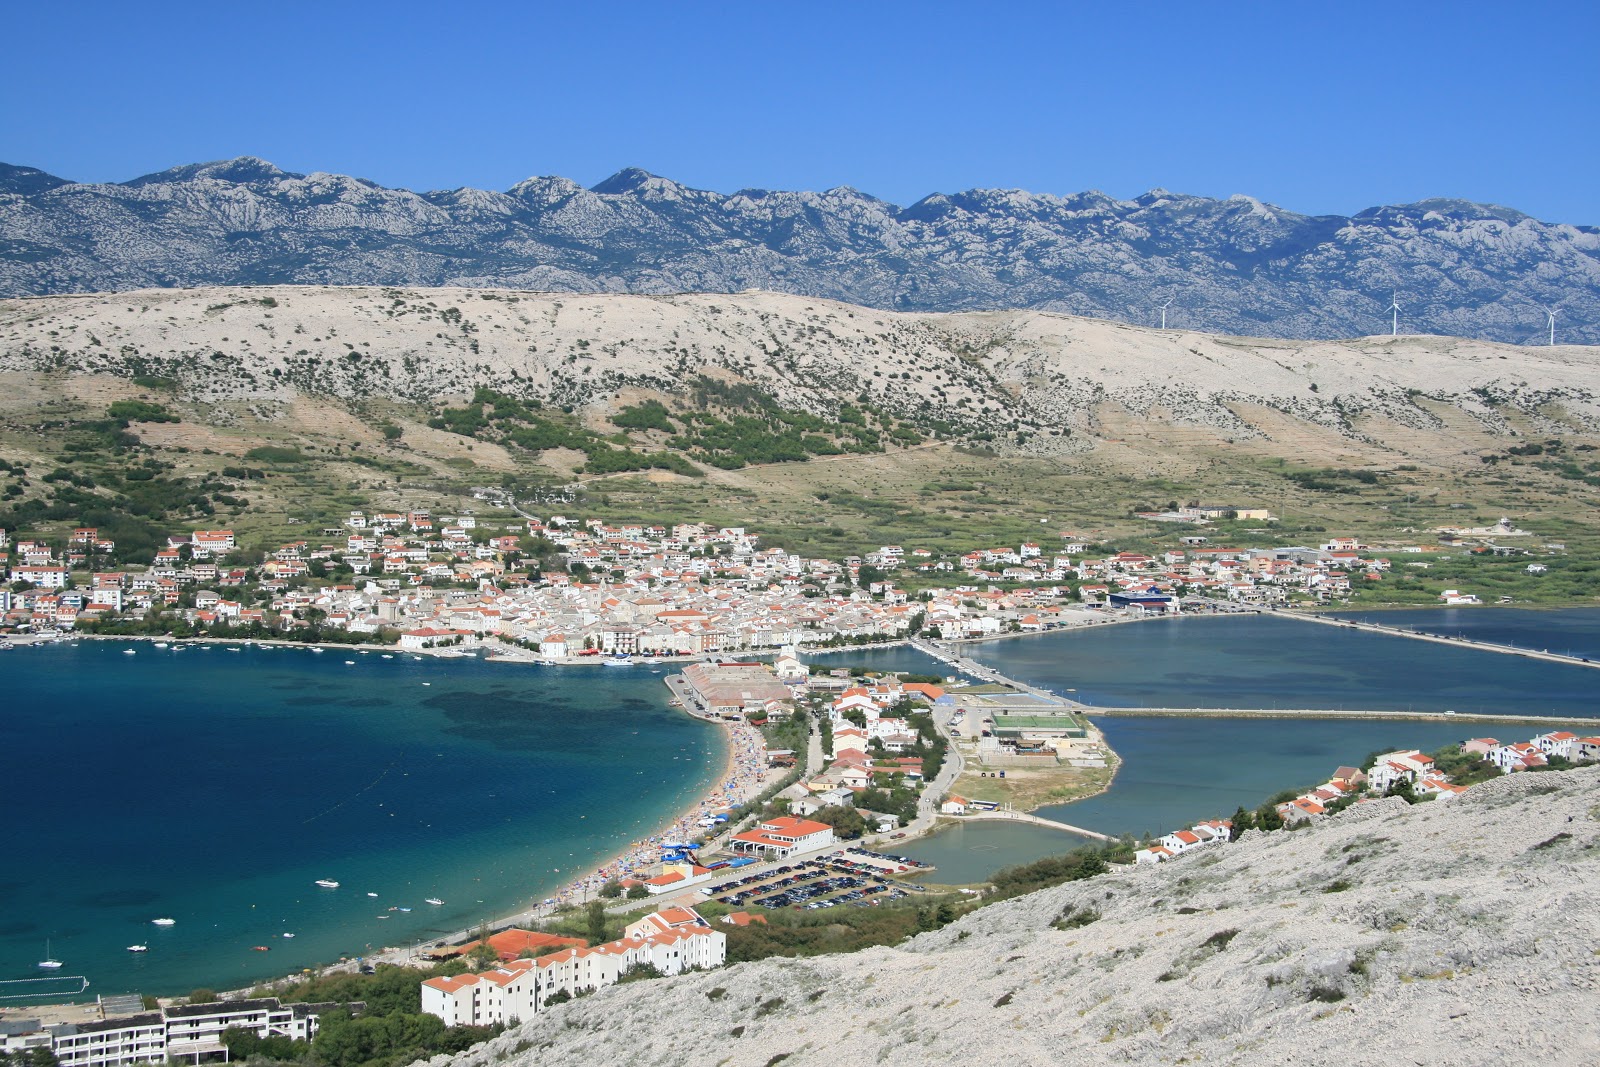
x=1236, y=266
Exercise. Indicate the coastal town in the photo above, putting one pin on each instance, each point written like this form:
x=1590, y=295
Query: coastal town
x=827, y=765
x=563, y=588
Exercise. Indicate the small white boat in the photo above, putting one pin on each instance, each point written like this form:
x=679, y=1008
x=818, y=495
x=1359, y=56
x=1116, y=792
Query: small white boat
x=327, y=883
x=405, y=909
x=161, y=644
x=138, y=948
x=125, y=652
x=418, y=658
x=387, y=656
x=288, y=935
x=372, y=894
x=349, y=663
x=619, y=661
x=435, y=901
x=50, y=963
x=317, y=650
x=383, y=916
x=164, y=922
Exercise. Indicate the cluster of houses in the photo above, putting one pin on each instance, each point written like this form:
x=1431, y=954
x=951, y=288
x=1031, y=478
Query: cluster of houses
x=865, y=753
x=1527, y=755
x=1389, y=770
x=636, y=589
x=671, y=941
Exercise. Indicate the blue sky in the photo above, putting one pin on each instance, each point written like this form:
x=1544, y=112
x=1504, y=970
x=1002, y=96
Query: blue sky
x=1318, y=107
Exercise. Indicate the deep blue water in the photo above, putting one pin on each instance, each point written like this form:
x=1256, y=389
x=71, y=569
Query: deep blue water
x=215, y=787
x=1178, y=771
x=1568, y=631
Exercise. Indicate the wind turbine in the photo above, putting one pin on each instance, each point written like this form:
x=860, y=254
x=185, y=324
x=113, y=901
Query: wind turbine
x=1163, y=309
x=1394, y=317
x=1550, y=314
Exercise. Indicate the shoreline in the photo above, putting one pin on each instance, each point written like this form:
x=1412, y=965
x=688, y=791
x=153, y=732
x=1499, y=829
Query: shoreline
x=720, y=789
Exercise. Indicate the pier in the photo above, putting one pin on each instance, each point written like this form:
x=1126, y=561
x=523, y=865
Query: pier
x=1419, y=635
x=961, y=663
x=1344, y=713
x=1010, y=815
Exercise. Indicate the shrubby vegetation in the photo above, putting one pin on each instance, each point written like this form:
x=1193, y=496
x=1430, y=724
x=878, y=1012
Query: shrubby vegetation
x=501, y=417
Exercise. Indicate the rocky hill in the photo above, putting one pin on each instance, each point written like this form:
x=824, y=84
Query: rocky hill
x=1035, y=381
x=1228, y=266
x=1460, y=933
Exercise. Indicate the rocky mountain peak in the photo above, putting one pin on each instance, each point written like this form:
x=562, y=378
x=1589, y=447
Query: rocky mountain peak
x=1238, y=265
x=242, y=170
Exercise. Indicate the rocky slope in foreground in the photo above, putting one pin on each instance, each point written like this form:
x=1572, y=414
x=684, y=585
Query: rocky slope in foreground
x=1459, y=933
x=1047, y=376
x=1235, y=265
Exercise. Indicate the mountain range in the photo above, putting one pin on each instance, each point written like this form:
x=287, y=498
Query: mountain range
x=1235, y=266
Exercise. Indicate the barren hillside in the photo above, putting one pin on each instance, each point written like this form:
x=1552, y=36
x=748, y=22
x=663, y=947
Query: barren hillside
x=1046, y=376
x=1460, y=933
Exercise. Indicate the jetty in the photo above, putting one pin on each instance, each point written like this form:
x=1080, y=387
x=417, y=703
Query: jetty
x=1011, y=815
x=1442, y=639
x=962, y=663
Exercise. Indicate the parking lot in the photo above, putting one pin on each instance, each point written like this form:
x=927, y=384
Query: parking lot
x=853, y=877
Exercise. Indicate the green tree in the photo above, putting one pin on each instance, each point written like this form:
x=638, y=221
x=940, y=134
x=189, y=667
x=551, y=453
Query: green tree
x=595, y=917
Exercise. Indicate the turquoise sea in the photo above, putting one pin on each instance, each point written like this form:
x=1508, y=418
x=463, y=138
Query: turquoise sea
x=215, y=787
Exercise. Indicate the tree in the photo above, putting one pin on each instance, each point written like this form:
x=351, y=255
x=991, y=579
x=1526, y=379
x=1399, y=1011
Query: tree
x=637, y=892
x=203, y=996
x=596, y=919
x=846, y=821
x=612, y=889
x=1242, y=820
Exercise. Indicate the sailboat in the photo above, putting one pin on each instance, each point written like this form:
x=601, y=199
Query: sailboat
x=49, y=963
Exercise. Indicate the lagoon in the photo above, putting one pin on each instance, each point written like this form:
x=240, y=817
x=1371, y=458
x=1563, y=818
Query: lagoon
x=215, y=787
x=1178, y=771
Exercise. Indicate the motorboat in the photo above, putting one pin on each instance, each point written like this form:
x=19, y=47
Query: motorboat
x=288, y=935
x=164, y=922
x=260, y=948
x=125, y=652
x=138, y=948
x=372, y=894
x=327, y=883
x=619, y=661
x=435, y=901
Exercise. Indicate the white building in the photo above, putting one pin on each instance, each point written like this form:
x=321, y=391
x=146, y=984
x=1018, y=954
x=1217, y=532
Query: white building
x=192, y=1030
x=672, y=941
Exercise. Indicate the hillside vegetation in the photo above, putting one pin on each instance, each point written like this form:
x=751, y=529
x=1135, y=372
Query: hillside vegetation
x=832, y=429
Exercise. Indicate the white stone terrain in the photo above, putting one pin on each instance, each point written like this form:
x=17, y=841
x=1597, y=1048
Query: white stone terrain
x=1047, y=374
x=1459, y=933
